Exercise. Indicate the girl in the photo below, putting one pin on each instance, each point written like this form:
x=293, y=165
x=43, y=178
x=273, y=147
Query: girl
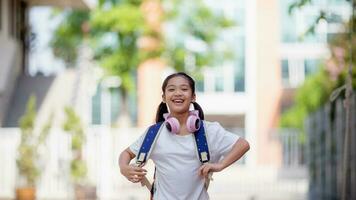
x=179, y=173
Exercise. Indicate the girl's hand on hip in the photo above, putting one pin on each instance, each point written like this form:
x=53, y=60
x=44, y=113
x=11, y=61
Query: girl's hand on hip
x=133, y=173
x=206, y=168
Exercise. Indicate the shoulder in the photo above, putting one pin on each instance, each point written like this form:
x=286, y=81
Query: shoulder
x=211, y=126
x=154, y=127
x=215, y=130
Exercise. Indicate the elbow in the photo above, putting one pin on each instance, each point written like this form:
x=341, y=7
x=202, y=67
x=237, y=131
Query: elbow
x=246, y=145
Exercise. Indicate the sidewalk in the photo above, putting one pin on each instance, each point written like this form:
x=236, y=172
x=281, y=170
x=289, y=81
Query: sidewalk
x=239, y=182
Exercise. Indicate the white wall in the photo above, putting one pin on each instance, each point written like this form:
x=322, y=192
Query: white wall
x=251, y=83
x=223, y=103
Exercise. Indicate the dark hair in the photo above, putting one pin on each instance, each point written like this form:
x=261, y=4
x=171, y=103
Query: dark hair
x=162, y=108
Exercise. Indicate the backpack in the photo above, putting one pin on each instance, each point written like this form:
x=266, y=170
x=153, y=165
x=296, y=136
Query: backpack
x=149, y=142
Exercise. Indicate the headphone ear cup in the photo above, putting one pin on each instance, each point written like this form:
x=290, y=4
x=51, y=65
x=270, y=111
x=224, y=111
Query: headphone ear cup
x=193, y=123
x=172, y=125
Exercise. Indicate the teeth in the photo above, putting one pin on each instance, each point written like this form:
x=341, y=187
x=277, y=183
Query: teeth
x=178, y=101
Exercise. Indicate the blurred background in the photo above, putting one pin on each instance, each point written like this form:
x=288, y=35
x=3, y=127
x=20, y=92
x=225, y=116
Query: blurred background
x=80, y=80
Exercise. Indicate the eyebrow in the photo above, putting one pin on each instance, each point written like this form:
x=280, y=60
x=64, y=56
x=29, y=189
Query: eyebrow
x=187, y=85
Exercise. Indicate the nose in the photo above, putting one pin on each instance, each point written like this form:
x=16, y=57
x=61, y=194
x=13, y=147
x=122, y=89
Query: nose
x=177, y=93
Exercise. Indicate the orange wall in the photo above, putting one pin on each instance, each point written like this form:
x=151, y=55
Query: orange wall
x=149, y=73
x=149, y=93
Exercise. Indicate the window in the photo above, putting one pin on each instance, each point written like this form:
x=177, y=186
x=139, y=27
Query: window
x=285, y=72
x=288, y=26
x=200, y=84
x=239, y=79
x=95, y=107
x=219, y=83
x=105, y=105
x=16, y=13
x=311, y=66
x=115, y=105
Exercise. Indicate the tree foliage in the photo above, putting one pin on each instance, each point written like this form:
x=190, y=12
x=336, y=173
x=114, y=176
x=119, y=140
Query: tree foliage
x=69, y=35
x=314, y=92
x=116, y=33
x=317, y=88
x=116, y=28
x=198, y=25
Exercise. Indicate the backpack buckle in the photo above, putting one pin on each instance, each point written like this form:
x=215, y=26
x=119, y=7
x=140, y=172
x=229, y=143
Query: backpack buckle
x=141, y=157
x=204, y=156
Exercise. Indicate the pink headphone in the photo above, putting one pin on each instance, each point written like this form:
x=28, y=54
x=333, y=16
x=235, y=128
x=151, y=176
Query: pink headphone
x=193, y=122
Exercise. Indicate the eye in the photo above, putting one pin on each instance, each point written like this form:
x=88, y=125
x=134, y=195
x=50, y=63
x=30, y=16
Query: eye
x=170, y=89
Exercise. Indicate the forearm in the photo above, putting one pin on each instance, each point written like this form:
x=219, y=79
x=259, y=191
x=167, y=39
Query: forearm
x=133, y=173
x=125, y=157
x=238, y=150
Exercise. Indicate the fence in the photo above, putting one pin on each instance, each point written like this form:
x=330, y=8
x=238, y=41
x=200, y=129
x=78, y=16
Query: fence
x=325, y=142
x=101, y=153
x=293, y=147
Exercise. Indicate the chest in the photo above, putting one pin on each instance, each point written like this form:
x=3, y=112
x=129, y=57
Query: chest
x=173, y=148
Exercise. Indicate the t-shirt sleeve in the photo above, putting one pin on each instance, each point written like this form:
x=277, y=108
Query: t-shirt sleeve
x=135, y=147
x=221, y=139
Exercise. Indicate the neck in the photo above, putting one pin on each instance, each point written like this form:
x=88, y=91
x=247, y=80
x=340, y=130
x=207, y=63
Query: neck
x=182, y=117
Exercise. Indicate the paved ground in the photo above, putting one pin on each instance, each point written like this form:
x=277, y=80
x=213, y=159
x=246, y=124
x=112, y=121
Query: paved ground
x=241, y=183
x=234, y=183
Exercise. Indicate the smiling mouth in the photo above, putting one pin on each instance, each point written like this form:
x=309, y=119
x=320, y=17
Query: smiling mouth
x=178, y=101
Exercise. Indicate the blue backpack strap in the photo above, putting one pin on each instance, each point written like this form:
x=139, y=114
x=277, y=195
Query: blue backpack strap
x=199, y=136
x=147, y=142
x=202, y=144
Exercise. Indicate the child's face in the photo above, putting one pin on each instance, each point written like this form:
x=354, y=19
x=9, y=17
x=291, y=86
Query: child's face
x=178, y=95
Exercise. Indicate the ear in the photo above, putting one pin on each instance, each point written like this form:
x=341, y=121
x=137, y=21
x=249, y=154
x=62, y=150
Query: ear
x=193, y=98
x=163, y=98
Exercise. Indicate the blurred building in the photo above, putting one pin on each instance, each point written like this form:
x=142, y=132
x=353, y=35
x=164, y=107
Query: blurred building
x=15, y=38
x=247, y=94
x=273, y=57
x=243, y=94
x=302, y=54
x=13, y=58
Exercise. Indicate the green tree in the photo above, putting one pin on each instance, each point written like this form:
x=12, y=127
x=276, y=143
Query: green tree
x=194, y=21
x=317, y=88
x=314, y=92
x=69, y=35
x=112, y=30
x=116, y=29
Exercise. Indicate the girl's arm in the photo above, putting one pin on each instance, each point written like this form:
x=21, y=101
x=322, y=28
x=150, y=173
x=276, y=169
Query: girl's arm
x=238, y=150
x=132, y=173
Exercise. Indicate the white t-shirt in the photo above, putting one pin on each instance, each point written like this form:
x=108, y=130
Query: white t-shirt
x=177, y=163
